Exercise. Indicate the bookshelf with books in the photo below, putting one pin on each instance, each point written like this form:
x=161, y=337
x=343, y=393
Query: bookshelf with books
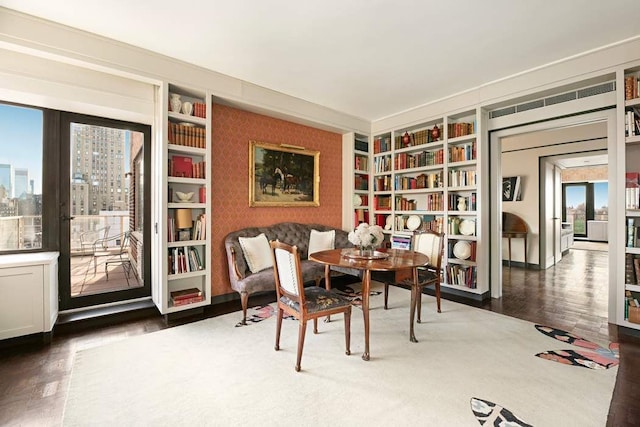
x=629, y=108
x=434, y=183
x=357, y=166
x=185, y=238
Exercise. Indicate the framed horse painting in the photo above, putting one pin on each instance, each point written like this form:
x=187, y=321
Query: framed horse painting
x=283, y=175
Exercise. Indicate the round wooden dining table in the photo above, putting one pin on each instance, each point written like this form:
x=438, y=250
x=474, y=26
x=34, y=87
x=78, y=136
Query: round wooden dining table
x=383, y=260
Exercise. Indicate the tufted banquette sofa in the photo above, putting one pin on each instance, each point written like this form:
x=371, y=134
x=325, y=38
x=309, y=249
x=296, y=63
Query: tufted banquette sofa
x=246, y=282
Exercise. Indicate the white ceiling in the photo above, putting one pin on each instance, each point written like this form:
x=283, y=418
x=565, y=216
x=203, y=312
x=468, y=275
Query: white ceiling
x=367, y=58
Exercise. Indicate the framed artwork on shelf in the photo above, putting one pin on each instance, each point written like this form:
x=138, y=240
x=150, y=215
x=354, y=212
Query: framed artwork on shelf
x=283, y=175
x=511, y=189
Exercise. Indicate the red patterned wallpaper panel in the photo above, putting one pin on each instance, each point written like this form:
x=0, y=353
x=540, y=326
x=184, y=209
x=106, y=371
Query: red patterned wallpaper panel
x=232, y=131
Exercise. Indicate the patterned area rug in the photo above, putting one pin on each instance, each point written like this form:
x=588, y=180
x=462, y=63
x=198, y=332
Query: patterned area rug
x=262, y=312
x=469, y=367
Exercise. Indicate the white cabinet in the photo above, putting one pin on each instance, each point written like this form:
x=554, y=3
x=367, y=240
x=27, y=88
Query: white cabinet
x=28, y=293
x=597, y=230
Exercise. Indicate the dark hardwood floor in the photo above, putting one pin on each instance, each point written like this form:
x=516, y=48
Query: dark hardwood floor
x=34, y=378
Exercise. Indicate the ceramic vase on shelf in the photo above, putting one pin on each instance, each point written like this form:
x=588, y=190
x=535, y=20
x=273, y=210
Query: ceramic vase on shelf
x=187, y=108
x=462, y=204
x=176, y=104
x=435, y=133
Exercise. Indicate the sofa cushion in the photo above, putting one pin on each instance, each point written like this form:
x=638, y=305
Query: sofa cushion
x=321, y=240
x=257, y=252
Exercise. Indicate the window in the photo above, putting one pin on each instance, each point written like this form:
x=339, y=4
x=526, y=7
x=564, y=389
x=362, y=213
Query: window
x=21, y=170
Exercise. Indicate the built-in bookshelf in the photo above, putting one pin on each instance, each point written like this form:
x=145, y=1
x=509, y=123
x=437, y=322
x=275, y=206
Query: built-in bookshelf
x=631, y=111
x=427, y=176
x=186, y=212
x=357, y=170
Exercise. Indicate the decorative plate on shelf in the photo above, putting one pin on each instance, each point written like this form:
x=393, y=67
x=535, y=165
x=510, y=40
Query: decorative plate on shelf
x=462, y=250
x=357, y=200
x=414, y=222
x=467, y=227
x=389, y=224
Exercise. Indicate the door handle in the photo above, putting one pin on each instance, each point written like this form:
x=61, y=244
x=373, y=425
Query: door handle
x=65, y=217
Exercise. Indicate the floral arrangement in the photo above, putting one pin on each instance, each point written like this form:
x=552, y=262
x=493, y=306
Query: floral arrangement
x=366, y=236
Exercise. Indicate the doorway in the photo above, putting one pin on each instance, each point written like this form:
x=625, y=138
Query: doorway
x=104, y=211
x=538, y=235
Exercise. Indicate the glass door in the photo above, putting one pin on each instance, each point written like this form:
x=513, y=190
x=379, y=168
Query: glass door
x=574, y=203
x=104, y=204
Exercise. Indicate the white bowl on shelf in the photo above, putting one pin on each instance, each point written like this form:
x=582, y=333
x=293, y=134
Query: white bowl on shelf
x=184, y=197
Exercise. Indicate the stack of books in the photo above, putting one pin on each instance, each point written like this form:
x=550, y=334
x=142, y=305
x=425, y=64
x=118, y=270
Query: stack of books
x=186, y=296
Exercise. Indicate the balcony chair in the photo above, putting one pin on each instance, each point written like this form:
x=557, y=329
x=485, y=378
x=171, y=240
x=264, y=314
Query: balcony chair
x=303, y=303
x=117, y=256
x=430, y=243
x=88, y=238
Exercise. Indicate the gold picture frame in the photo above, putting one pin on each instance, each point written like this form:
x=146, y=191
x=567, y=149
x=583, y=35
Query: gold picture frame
x=283, y=175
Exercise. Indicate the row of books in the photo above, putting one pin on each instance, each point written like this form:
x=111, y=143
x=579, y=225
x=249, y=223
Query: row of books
x=382, y=202
x=461, y=275
x=633, y=233
x=360, y=216
x=632, y=307
x=382, y=164
x=198, y=230
x=361, y=145
x=381, y=145
x=187, y=134
x=432, y=180
x=631, y=87
x=454, y=130
x=416, y=160
x=632, y=269
x=184, y=260
x=463, y=152
x=419, y=137
x=404, y=204
x=462, y=178
x=186, y=296
x=382, y=183
x=632, y=123
x=361, y=182
x=361, y=163
x=185, y=167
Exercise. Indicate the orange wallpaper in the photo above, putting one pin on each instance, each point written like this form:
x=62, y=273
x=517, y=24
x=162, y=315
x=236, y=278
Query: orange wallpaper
x=232, y=131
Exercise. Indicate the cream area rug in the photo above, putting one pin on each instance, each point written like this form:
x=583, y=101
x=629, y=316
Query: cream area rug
x=467, y=363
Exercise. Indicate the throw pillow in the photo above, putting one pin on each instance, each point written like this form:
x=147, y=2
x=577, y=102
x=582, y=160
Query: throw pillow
x=321, y=240
x=257, y=252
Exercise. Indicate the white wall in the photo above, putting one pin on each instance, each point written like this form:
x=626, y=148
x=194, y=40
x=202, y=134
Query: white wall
x=520, y=157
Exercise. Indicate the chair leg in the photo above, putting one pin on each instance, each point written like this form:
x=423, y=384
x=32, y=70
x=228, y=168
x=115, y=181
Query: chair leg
x=419, y=304
x=347, y=331
x=414, y=297
x=315, y=325
x=386, y=295
x=301, y=331
x=438, y=295
x=244, y=300
x=278, y=328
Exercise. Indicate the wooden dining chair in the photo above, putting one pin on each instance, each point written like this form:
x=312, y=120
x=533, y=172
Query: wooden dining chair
x=303, y=303
x=430, y=243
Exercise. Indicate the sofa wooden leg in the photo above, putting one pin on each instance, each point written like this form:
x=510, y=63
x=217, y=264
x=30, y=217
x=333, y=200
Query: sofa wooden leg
x=244, y=300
